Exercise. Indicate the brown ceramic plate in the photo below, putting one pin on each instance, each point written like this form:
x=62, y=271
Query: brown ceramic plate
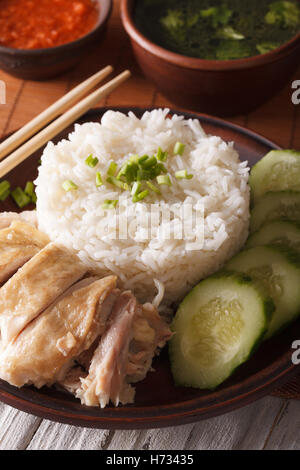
x=158, y=402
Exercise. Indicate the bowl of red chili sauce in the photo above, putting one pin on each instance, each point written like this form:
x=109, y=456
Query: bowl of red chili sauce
x=40, y=39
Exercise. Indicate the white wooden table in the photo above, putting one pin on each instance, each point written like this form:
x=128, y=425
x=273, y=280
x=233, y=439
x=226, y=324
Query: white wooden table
x=270, y=423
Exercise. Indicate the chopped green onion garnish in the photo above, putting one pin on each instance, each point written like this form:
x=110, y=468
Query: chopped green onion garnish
x=112, y=169
x=179, y=148
x=4, y=187
x=109, y=204
x=143, y=158
x=164, y=179
x=161, y=168
x=34, y=198
x=99, y=181
x=134, y=159
x=153, y=187
x=136, y=188
x=29, y=188
x=149, y=162
x=183, y=175
x=120, y=184
x=91, y=161
x=4, y=195
x=161, y=156
x=20, y=197
x=140, y=196
x=68, y=185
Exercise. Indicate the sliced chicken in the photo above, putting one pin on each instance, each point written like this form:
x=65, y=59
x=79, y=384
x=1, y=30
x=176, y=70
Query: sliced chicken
x=106, y=379
x=134, y=334
x=29, y=217
x=18, y=243
x=45, y=350
x=150, y=334
x=34, y=287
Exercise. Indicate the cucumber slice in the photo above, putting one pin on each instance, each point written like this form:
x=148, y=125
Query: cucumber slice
x=278, y=270
x=279, y=232
x=279, y=170
x=217, y=327
x=274, y=206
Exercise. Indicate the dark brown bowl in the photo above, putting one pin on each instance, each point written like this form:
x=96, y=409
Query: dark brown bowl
x=223, y=88
x=159, y=402
x=41, y=64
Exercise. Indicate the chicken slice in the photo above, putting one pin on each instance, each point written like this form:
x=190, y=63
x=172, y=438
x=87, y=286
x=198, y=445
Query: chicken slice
x=150, y=334
x=45, y=350
x=106, y=378
x=18, y=243
x=35, y=286
x=29, y=217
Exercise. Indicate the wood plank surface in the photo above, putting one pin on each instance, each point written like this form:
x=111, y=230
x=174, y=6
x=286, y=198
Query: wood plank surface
x=270, y=423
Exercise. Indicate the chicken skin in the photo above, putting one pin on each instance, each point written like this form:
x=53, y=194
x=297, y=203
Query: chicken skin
x=34, y=287
x=44, y=351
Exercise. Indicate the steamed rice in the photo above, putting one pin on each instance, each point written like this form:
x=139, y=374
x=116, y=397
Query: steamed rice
x=157, y=266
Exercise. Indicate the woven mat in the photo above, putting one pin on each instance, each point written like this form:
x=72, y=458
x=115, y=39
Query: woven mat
x=291, y=390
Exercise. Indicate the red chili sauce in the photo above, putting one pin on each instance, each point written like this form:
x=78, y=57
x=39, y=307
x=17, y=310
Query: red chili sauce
x=36, y=24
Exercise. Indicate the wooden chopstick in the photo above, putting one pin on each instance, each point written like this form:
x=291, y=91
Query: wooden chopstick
x=52, y=112
x=60, y=123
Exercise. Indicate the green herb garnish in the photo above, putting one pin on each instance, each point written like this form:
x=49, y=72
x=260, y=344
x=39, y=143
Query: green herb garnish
x=115, y=182
x=178, y=148
x=229, y=33
x=140, y=196
x=91, y=161
x=183, y=175
x=164, y=179
x=153, y=187
x=109, y=204
x=266, y=47
x=69, y=185
x=20, y=198
x=136, y=188
x=99, y=181
x=4, y=190
x=161, y=156
x=112, y=169
x=29, y=188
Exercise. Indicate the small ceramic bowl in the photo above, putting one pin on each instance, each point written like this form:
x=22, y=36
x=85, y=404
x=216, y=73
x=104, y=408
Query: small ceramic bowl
x=223, y=88
x=40, y=64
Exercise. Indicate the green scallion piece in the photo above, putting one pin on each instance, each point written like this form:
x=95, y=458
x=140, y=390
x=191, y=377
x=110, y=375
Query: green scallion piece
x=179, y=148
x=161, y=156
x=4, y=187
x=164, y=179
x=161, y=168
x=143, y=158
x=109, y=204
x=120, y=184
x=34, y=198
x=149, y=163
x=99, y=181
x=112, y=169
x=183, y=175
x=20, y=198
x=4, y=195
x=153, y=187
x=68, y=185
x=136, y=188
x=140, y=196
x=134, y=159
x=91, y=161
x=29, y=188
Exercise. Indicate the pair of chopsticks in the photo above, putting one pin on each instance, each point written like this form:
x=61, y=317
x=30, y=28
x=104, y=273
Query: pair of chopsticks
x=66, y=117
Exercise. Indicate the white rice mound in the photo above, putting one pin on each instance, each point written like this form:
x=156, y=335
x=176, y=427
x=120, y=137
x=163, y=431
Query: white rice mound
x=149, y=266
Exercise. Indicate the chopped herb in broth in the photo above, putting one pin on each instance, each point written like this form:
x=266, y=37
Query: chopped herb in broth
x=210, y=29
